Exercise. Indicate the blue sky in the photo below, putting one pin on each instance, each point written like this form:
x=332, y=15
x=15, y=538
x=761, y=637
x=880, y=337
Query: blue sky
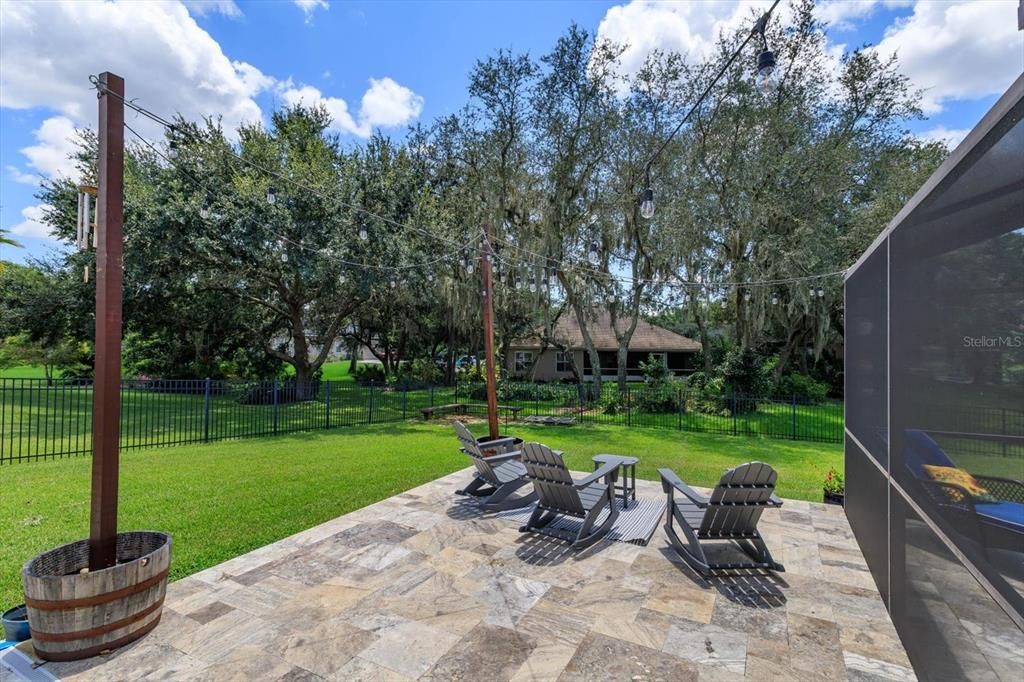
x=383, y=65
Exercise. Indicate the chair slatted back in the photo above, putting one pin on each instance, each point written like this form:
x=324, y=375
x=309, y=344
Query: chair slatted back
x=551, y=479
x=738, y=500
x=472, y=448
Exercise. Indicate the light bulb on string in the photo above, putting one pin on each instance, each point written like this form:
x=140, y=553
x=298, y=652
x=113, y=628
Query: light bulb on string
x=821, y=293
x=364, y=234
x=647, y=204
x=593, y=256
x=393, y=283
x=775, y=299
x=469, y=265
x=172, y=150
x=271, y=195
x=746, y=297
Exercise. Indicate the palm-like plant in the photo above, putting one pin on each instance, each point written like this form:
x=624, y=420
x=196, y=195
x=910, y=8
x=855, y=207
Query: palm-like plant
x=5, y=240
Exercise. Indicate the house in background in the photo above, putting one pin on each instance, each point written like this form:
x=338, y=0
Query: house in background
x=530, y=358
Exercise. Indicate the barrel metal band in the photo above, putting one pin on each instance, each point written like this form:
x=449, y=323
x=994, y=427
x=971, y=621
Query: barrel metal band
x=98, y=649
x=61, y=604
x=96, y=631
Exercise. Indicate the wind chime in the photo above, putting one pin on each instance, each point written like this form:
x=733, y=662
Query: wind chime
x=86, y=228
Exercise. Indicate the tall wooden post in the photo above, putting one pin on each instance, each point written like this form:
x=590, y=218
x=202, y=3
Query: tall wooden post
x=488, y=300
x=106, y=398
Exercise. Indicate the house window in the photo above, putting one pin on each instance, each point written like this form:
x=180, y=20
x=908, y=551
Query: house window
x=523, y=360
x=661, y=357
x=563, y=362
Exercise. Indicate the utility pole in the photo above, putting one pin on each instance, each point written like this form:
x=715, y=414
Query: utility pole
x=106, y=397
x=488, y=300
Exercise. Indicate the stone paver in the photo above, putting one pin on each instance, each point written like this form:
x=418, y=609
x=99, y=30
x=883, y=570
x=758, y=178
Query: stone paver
x=423, y=586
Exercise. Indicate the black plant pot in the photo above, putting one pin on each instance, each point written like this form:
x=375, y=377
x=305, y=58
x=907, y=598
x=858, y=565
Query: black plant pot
x=835, y=498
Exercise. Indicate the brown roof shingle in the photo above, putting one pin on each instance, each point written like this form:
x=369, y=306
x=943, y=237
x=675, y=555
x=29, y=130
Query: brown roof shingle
x=647, y=337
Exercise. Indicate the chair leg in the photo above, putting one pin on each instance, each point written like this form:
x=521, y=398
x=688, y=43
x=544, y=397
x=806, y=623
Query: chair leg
x=690, y=551
x=477, y=488
x=758, y=550
x=501, y=500
x=538, y=519
x=585, y=538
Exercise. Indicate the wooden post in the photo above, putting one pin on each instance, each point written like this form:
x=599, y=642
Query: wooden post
x=106, y=397
x=488, y=300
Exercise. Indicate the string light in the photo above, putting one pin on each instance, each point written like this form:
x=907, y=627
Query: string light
x=364, y=234
x=775, y=299
x=593, y=256
x=746, y=297
x=271, y=195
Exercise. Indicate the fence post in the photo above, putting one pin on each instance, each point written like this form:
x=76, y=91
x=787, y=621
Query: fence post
x=733, y=414
x=629, y=408
x=369, y=415
x=682, y=406
x=536, y=399
x=405, y=400
x=206, y=410
x=327, y=402
x=431, y=395
x=1003, y=432
x=274, y=389
x=793, y=413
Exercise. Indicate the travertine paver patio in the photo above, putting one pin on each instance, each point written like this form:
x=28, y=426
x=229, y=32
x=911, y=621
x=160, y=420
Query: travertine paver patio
x=419, y=586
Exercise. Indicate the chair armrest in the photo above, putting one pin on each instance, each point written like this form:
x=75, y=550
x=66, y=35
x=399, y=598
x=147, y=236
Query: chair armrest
x=497, y=441
x=608, y=469
x=504, y=457
x=774, y=501
x=670, y=480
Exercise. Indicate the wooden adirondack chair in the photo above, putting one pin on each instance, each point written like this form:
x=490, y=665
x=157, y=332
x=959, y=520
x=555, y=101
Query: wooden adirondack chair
x=730, y=514
x=558, y=494
x=497, y=477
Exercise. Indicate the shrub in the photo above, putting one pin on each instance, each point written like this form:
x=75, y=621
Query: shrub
x=742, y=373
x=655, y=372
x=611, y=403
x=471, y=373
x=660, y=398
x=371, y=371
x=707, y=396
x=802, y=387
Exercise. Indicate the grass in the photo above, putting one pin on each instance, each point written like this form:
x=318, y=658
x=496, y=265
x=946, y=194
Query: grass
x=25, y=372
x=220, y=500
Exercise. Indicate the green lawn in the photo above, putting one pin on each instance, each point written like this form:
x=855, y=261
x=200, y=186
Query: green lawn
x=223, y=499
x=25, y=372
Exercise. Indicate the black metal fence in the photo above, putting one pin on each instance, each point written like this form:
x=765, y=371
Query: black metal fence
x=40, y=419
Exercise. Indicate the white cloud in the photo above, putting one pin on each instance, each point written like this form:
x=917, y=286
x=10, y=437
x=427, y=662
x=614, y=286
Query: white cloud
x=843, y=14
x=385, y=104
x=55, y=142
x=24, y=178
x=202, y=8
x=957, y=50
x=388, y=104
x=689, y=28
x=32, y=224
x=951, y=136
x=170, y=64
x=309, y=7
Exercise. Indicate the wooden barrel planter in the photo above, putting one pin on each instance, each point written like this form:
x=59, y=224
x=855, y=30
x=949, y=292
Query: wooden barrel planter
x=75, y=615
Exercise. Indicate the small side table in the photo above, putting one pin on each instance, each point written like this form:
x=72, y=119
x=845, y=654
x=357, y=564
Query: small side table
x=628, y=467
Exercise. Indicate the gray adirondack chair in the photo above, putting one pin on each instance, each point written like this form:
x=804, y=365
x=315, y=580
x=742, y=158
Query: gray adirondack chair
x=730, y=514
x=560, y=495
x=497, y=477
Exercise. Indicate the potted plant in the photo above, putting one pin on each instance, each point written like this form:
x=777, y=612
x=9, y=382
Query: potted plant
x=834, y=488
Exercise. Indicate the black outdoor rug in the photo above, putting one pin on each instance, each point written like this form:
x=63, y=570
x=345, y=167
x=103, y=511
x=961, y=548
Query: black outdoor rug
x=635, y=525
